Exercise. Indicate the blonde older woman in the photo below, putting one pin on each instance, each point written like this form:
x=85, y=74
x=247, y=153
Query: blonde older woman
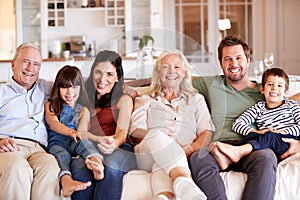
x=168, y=122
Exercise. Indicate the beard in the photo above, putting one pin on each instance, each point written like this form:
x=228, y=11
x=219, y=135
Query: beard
x=237, y=78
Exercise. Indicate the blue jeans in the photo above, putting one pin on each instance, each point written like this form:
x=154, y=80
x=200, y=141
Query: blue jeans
x=64, y=150
x=116, y=165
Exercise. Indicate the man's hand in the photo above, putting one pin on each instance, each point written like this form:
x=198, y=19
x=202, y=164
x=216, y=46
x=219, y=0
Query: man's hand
x=294, y=147
x=8, y=145
x=130, y=91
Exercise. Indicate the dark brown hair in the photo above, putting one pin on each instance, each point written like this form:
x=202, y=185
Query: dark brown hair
x=68, y=76
x=113, y=96
x=232, y=40
x=275, y=72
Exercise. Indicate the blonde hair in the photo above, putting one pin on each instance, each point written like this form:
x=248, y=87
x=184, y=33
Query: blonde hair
x=156, y=87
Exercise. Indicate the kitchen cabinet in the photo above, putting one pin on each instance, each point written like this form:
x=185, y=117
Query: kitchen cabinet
x=31, y=23
x=115, y=13
x=56, y=13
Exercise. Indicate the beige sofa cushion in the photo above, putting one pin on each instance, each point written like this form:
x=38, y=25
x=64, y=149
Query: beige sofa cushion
x=234, y=191
x=288, y=179
x=137, y=183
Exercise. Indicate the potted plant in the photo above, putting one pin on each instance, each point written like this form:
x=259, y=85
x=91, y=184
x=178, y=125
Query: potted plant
x=144, y=41
x=145, y=59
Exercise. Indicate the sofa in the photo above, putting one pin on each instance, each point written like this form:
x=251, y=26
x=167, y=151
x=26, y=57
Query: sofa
x=137, y=183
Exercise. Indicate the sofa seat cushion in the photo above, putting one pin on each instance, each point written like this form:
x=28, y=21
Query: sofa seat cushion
x=234, y=183
x=288, y=179
x=137, y=183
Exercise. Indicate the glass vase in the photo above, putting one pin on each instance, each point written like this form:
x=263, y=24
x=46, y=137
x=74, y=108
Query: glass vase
x=145, y=62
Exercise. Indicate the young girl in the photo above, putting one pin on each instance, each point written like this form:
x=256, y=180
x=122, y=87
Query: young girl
x=68, y=116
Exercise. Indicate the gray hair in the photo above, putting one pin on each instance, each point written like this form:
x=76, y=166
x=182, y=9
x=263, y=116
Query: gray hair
x=23, y=46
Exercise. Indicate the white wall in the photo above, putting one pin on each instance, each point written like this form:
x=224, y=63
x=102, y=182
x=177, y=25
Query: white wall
x=90, y=22
x=276, y=30
x=288, y=35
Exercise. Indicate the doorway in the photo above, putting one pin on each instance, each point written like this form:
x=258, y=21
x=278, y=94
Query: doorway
x=7, y=29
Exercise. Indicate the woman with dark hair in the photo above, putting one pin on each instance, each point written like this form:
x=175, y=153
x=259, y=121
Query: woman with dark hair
x=111, y=118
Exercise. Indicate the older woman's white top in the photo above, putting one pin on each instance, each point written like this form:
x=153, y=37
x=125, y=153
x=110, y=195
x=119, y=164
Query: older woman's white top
x=185, y=116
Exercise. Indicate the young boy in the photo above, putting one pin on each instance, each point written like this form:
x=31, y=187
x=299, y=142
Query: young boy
x=275, y=118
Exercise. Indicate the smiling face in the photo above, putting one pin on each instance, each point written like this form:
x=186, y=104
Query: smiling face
x=104, y=77
x=274, y=91
x=26, y=67
x=69, y=95
x=171, y=72
x=234, y=63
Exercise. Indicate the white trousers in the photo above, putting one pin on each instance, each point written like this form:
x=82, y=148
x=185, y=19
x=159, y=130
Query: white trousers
x=159, y=153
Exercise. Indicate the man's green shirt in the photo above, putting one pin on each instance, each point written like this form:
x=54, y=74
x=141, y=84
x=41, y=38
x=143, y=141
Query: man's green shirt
x=225, y=103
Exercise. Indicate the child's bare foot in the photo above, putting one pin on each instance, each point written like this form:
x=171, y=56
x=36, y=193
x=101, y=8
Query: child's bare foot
x=221, y=158
x=234, y=153
x=95, y=164
x=69, y=185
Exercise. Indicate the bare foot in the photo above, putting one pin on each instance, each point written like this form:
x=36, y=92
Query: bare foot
x=234, y=153
x=69, y=185
x=95, y=164
x=221, y=158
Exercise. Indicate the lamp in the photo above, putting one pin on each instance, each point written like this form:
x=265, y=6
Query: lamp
x=224, y=24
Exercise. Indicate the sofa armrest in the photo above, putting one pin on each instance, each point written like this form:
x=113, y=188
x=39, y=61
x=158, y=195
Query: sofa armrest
x=296, y=97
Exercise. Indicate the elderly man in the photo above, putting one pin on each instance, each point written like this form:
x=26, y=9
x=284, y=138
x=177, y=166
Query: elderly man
x=27, y=171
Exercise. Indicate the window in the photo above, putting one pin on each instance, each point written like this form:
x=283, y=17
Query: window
x=239, y=12
x=197, y=20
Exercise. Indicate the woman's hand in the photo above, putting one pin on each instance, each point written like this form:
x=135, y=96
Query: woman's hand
x=203, y=140
x=107, y=144
x=75, y=135
x=188, y=149
x=171, y=135
x=83, y=135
